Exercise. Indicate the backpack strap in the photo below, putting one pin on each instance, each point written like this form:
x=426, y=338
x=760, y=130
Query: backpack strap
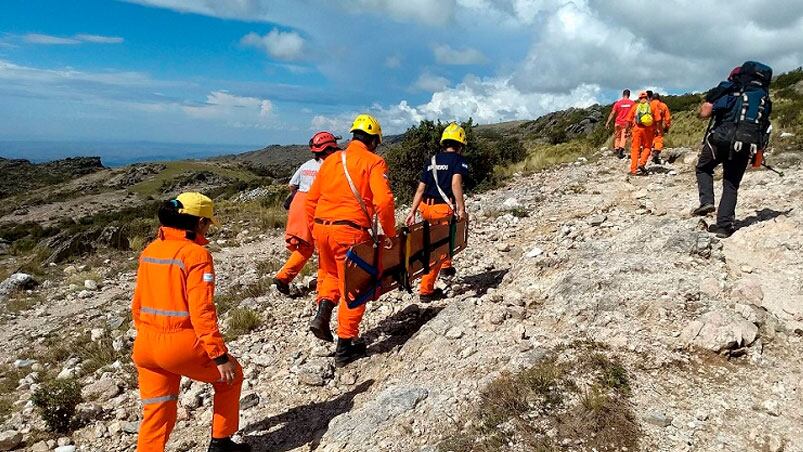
x=440, y=190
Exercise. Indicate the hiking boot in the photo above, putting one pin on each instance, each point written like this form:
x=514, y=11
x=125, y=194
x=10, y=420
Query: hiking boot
x=319, y=325
x=281, y=286
x=642, y=171
x=620, y=153
x=449, y=271
x=704, y=210
x=348, y=351
x=656, y=159
x=436, y=295
x=227, y=445
x=722, y=232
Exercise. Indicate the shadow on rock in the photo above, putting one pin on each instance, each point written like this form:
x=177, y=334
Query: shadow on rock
x=760, y=216
x=398, y=328
x=301, y=425
x=481, y=282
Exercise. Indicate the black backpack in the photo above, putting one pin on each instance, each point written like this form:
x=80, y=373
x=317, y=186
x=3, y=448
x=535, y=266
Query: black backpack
x=743, y=126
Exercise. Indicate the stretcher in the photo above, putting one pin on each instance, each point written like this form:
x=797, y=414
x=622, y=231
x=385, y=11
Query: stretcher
x=374, y=269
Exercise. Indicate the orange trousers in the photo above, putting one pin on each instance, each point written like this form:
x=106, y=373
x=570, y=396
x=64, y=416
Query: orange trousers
x=641, y=147
x=333, y=241
x=298, y=258
x=620, y=134
x=435, y=214
x=161, y=359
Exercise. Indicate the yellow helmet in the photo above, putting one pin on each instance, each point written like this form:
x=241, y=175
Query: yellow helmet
x=455, y=133
x=367, y=123
x=196, y=204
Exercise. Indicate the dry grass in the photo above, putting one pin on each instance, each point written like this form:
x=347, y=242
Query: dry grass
x=79, y=277
x=22, y=301
x=541, y=156
x=578, y=392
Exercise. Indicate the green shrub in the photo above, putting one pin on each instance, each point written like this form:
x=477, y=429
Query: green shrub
x=57, y=401
x=788, y=79
x=484, y=151
x=242, y=321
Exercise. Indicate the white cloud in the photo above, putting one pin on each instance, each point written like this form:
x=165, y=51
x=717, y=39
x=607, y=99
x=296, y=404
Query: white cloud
x=431, y=12
x=430, y=83
x=99, y=39
x=445, y=54
x=393, y=62
x=282, y=45
x=14, y=72
x=487, y=100
x=37, y=38
x=237, y=111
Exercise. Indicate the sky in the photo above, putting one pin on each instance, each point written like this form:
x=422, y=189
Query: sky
x=258, y=72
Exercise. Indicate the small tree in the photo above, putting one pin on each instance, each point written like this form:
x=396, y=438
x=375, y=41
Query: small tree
x=57, y=401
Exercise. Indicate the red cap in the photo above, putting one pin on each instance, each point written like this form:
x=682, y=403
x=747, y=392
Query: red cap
x=321, y=141
x=734, y=73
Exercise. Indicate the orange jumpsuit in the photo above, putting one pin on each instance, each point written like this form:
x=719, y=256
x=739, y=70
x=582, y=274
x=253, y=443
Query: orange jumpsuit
x=330, y=200
x=642, y=140
x=298, y=237
x=666, y=117
x=435, y=214
x=177, y=334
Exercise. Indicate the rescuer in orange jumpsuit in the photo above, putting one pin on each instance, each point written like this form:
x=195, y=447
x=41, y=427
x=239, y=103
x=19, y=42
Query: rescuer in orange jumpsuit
x=621, y=111
x=298, y=234
x=440, y=198
x=341, y=214
x=642, y=117
x=177, y=331
x=660, y=129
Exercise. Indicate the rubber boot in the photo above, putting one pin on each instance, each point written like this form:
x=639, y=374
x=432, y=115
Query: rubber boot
x=320, y=323
x=348, y=351
x=281, y=286
x=227, y=445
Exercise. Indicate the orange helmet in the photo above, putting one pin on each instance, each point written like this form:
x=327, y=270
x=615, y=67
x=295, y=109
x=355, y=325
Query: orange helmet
x=321, y=141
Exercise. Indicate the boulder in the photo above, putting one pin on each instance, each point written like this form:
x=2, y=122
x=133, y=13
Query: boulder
x=104, y=389
x=10, y=440
x=719, y=331
x=15, y=282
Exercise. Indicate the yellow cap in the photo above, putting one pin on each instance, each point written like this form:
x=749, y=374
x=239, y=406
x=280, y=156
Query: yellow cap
x=455, y=133
x=198, y=205
x=367, y=123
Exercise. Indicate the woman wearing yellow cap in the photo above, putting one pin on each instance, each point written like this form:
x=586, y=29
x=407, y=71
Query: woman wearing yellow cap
x=177, y=330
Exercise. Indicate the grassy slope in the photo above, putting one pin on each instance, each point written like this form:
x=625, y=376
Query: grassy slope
x=152, y=186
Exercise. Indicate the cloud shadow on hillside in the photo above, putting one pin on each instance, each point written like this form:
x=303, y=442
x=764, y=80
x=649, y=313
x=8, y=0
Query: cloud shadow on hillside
x=301, y=425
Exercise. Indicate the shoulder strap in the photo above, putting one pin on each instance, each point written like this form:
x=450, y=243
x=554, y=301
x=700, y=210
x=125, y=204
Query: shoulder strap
x=440, y=190
x=357, y=195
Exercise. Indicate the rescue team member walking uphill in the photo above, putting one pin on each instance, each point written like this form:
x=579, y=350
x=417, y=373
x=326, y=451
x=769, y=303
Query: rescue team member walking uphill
x=642, y=116
x=298, y=234
x=349, y=194
x=440, y=195
x=621, y=131
x=177, y=331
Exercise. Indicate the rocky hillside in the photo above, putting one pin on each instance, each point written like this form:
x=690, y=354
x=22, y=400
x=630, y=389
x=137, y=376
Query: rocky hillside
x=22, y=175
x=590, y=312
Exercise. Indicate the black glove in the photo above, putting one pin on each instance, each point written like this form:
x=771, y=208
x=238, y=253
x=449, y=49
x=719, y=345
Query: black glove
x=289, y=200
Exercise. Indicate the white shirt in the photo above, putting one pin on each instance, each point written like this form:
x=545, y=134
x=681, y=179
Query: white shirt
x=305, y=175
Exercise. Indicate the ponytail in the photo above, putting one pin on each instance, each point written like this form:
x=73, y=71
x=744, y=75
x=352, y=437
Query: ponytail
x=170, y=216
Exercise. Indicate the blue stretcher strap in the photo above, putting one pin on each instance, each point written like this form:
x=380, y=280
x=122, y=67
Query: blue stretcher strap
x=365, y=266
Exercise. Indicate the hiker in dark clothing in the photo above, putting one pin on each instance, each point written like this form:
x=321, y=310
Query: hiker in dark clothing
x=739, y=110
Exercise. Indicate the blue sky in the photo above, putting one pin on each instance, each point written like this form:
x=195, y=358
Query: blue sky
x=255, y=72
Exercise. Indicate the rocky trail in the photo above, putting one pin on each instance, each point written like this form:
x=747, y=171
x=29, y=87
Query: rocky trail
x=709, y=331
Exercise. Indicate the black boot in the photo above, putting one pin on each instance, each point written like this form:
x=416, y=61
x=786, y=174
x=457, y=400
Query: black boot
x=448, y=271
x=227, y=445
x=348, y=351
x=703, y=210
x=436, y=295
x=281, y=286
x=722, y=232
x=320, y=324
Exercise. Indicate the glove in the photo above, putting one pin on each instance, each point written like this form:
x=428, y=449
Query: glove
x=289, y=200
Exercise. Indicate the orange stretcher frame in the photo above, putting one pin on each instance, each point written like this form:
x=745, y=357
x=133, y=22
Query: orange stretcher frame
x=375, y=270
